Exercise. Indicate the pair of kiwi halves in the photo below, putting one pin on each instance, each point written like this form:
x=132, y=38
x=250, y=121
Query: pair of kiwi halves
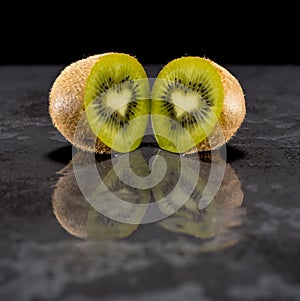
x=104, y=102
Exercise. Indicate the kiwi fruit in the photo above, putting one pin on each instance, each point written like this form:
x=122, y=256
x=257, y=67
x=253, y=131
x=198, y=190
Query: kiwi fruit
x=101, y=102
x=196, y=105
x=79, y=217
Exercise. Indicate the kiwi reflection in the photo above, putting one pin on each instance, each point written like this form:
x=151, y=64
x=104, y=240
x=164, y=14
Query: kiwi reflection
x=79, y=218
x=212, y=225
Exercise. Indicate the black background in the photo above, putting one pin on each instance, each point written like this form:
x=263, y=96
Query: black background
x=155, y=33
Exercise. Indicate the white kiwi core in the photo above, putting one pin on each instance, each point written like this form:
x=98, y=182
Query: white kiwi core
x=117, y=100
x=184, y=102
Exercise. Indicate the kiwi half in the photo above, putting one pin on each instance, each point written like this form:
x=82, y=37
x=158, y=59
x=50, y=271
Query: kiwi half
x=108, y=96
x=197, y=105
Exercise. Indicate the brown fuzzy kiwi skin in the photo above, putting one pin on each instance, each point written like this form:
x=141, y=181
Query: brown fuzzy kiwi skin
x=66, y=103
x=233, y=113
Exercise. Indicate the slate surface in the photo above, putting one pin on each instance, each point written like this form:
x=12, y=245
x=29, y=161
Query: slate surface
x=259, y=259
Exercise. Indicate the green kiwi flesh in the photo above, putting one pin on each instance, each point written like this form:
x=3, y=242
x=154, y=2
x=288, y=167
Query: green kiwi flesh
x=187, y=100
x=116, y=101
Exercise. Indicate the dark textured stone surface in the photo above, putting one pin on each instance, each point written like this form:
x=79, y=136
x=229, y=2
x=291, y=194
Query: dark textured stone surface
x=258, y=260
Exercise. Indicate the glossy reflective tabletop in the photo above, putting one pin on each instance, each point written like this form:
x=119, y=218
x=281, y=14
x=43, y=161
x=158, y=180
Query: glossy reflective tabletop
x=243, y=245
